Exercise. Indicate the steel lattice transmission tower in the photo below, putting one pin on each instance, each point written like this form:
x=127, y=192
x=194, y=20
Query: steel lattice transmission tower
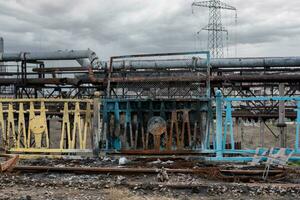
x=215, y=28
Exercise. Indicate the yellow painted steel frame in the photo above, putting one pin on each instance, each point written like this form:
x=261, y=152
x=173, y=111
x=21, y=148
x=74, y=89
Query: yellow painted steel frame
x=32, y=136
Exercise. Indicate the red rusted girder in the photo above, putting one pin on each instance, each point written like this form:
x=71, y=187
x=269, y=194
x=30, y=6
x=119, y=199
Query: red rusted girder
x=214, y=79
x=104, y=170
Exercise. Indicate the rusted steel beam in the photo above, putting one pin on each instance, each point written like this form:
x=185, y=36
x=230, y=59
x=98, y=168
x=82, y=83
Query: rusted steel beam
x=214, y=80
x=158, y=152
x=104, y=170
x=212, y=172
x=41, y=81
x=262, y=115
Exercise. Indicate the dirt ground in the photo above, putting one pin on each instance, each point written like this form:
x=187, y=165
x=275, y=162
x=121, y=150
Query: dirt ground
x=68, y=186
x=25, y=186
x=116, y=194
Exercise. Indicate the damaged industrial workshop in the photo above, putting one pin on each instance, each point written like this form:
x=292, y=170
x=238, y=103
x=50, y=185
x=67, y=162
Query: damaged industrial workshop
x=132, y=99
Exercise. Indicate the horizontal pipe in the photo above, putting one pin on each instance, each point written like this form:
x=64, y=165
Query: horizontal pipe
x=56, y=55
x=61, y=69
x=214, y=79
x=85, y=58
x=215, y=63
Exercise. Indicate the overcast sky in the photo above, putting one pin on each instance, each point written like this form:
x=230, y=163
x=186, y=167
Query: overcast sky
x=115, y=27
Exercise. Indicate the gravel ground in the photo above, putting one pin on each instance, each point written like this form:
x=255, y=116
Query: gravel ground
x=151, y=186
x=69, y=186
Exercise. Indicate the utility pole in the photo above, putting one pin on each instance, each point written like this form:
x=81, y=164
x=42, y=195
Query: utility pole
x=215, y=28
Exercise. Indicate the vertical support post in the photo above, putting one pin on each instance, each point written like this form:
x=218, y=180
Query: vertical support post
x=209, y=117
x=115, y=141
x=76, y=128
x=128, y=125
x=65, y=130
x=231, y=126
x=262, y=132
x=24, y=71
x=236, y=129
x=241, y=122
x=219, y=143
x=21, y=127
x=209, y=128
x=42, y=73
x=208, y=75
x=173, y=125
x=228, y=122
x=297, y=127
x=281, y=123
x=87, y=124
x=2, y=128
x=96, y=124
x=2, y=67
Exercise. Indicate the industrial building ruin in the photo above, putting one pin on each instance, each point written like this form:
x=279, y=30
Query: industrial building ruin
x=169, y=103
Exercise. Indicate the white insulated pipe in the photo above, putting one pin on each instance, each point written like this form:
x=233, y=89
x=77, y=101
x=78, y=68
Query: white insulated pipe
x=85, y=58
x=214, y=63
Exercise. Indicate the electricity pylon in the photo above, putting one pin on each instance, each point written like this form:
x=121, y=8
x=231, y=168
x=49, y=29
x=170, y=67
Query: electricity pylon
x=215, y=28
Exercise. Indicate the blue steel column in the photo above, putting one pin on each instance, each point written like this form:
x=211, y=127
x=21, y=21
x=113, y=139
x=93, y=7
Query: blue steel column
x=297, y=126
x=219, y=143
x=228, y=122
x=112, y=139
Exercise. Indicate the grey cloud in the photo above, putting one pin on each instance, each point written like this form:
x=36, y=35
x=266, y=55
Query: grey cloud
x=135, y=26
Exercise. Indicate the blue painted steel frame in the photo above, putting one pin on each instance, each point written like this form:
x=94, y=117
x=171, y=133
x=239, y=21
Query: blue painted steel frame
x=117, y=110
x=219, y=148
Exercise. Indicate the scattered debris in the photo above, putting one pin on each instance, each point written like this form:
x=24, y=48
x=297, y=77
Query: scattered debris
x=158, y=161
x=120, y=180
x=123, y=161
x=162, y=175
x=8, y=165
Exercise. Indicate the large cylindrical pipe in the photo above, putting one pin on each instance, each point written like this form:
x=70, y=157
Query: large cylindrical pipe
x=215, y=63
x=84, y=57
